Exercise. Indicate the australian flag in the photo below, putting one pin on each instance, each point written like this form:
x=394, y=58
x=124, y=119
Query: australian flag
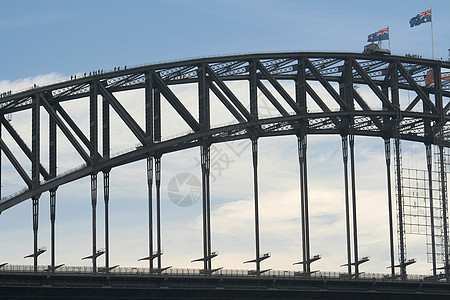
x=423, y=17
x=380, y=35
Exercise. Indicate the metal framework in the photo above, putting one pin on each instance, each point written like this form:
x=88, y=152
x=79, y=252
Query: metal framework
x=344, y=111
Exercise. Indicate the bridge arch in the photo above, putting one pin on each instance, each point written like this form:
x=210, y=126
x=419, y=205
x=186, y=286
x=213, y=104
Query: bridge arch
x=346, y=94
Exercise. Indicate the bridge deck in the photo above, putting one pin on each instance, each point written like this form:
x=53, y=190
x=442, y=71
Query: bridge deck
x=126, y=283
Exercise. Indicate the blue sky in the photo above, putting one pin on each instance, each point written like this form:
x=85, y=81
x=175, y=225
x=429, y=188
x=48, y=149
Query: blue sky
x=45, y=41
x=40, y=37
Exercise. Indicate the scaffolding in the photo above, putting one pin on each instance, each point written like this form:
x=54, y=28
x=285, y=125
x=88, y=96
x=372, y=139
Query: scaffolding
x=415, y=197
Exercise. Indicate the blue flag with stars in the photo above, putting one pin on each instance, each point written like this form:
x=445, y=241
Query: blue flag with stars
x=423, y=17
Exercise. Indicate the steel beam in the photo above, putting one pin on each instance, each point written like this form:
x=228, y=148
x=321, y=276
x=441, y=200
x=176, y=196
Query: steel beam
x=53, y=169
x=400, y=209
x=444, y=209
x=106, y=199
x=65, y=116
x=430, y=192
x=150, y=210
x=157, y=115
x=426, y=100
x=387, y=151
x=22, y=145
x=15, y=163
x=205, y=165
x=355, y=223
x=229, y=93
x=124, y=115
x=326, y=85
x=278, y=87
x=52, y=220
x=272, y=99
x=35, y=204
x=255, y=195
x=158, y=208
x=227, y=103
x=51, y=111
x=149, y=103
x=176, y=103
x=347, y=203
x=302, y=144
x=35, y=163
x=94, y=221
x=371, y=84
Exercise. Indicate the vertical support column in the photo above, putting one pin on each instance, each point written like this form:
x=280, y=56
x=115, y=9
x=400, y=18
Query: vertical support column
x=302, y=201
x=0, y=163
x=255, y=193
x=204, y=120
x=106, y=154
x=149, y=119
x=430, y=191
x=205, y=164
x=444, y=206
x=52, y=165
x=347, y=202
x=300, y=95
x=157, y=114
x=300, y=86
x=35, y=231
x=355, y=223
x=400, y=209
x=440, y=105
x=387, y=151
x=94, y=220
x=158, y=208
x=253, y=89
x=93, y=133
x=150, y=210
x=35, y=163
x=106, y=198
x=157, y=137
x=149, y=106
x=302, y=144
x=52, y=220
x=396, y=102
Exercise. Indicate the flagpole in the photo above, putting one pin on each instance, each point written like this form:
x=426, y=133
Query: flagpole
x=389, y=35
x=432, y=41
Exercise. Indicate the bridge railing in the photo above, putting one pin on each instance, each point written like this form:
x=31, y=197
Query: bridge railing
x=186, y=272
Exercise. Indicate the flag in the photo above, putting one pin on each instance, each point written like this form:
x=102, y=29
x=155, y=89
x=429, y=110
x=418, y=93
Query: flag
x=423, y=17
x=380, y=35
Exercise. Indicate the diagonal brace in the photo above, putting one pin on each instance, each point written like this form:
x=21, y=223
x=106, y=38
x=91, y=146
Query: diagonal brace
x=417, y=89
x=51, y=111
x=372, y=85
x=272, y=99
x=227, y=103
x=124, y=115
x=278, y=87
x=176, y=103
x=72, y=125
x=229, y=94
x=15, y=163
x=326, y=85
x=23, y=146
x=366, y=107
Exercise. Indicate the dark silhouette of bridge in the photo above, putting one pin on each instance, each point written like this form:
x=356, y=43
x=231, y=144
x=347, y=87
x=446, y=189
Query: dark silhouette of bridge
x=424, y=120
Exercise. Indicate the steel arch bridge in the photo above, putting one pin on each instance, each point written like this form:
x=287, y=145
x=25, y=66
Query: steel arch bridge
x=340, y=109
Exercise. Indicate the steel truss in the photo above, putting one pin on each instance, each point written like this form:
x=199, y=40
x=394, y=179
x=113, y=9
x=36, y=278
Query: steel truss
x=347, y=113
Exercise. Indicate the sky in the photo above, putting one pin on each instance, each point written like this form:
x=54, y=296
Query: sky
x=48, y=41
